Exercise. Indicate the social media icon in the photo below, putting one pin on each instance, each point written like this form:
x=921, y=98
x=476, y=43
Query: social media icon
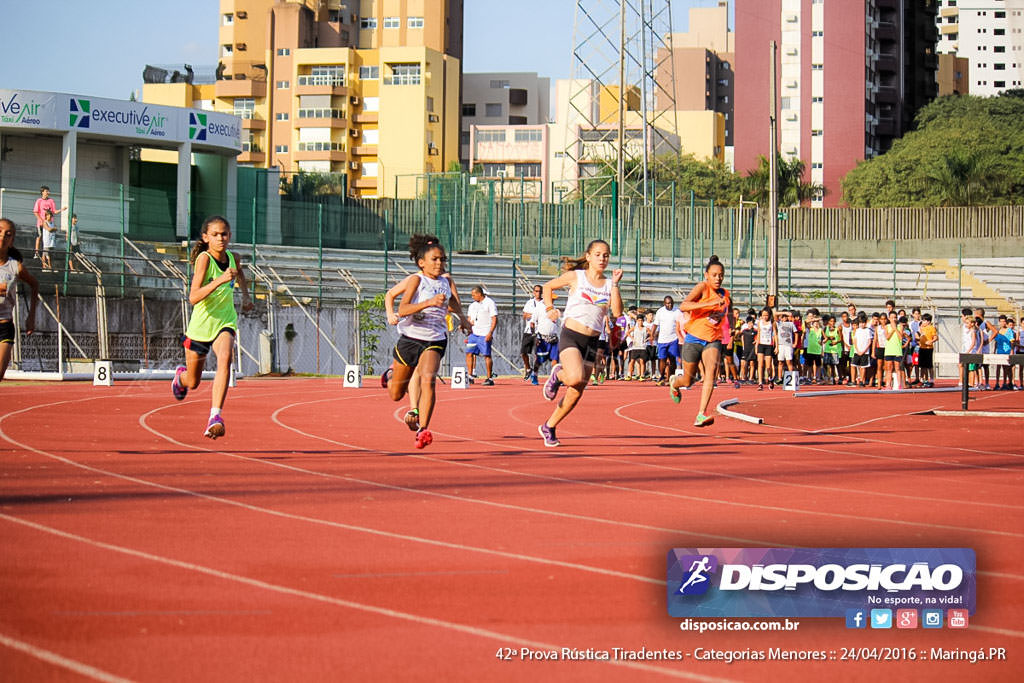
x=881, y=618
x=957, y=618
x=856, y=618
x=906, y=618
x=931, y=618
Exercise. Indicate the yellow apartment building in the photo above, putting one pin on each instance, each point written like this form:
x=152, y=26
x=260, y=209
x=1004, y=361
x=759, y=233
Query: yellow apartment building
x=365, y=88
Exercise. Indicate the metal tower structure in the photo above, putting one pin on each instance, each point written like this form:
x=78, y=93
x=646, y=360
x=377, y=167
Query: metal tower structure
x=619, y=111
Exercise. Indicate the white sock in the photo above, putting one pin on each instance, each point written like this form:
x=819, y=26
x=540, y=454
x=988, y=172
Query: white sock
x=214, y=412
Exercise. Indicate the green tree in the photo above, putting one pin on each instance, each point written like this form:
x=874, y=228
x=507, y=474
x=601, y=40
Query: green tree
x=793, y=189
x=964, y=151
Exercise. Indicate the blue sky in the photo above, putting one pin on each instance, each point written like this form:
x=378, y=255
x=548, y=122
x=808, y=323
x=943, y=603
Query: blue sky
x=99, y=47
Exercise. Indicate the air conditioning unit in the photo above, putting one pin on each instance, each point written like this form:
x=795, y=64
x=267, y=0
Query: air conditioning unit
x=242, y=14
x=433, y=118
x=354, y=100
x=241, y=47
x=354, y=132
x=433, y=151
x=355, y=165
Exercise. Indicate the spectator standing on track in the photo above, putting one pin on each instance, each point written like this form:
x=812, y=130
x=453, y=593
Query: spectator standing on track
x=927, y=339
x=427, y=298
x=878, y=324
x=893, y=369
x=637, y=335
x=748, y=340
x=652, y=346
x=814, y=348
x=787, y=340
x=988, y=333
x=912, y=353
x=483, y=316
x=708, y=304
x=846, y=328
x=665, y=320
x=13, y=269
x=213, y=324
x=590, y=296
x=832, y=348
x=43, y=204
x=1003, y=345
x=531, y=312
x=767, y=339
x=863, y=342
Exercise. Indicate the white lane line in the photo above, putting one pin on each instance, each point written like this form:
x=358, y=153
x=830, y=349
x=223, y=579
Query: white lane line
x=504, y=638
x=60, y=660
x=312, y=520
x=760, y=480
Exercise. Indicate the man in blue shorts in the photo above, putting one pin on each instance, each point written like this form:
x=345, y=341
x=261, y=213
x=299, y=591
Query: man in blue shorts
x=666, y=320
x=483, y=316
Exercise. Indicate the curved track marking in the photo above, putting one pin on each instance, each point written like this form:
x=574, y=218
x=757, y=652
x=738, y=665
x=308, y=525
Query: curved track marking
x=760, y=480
x=504, y=638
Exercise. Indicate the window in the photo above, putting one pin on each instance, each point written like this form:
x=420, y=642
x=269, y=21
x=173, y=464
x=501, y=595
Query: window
x=817, y=34
x=430, y=103
x=229, y=19
x=493, y=109
x=500, y=84
x=368, y=23
x=469, y=110
x=532, y=135
x=999, y=48
x=817, y=100
x=559, y=155
x=817, y=67
x=999, y=84
x=243, y=107
x=493, y=170
x=415, y=22
x=281, y=116
x=335, y=16
x=815, y=132
x=1000, y=15
x=283, y=85
x=999, y=31
x=324, y=75
x=226, y=50
x=369, y=73
x=817, y=165
x=404, y=74
x=392, y=22
x=999, y=67
x=283, y=52
x=787, y=102
x=490, y=136
x=531, y=170
x=281, y=149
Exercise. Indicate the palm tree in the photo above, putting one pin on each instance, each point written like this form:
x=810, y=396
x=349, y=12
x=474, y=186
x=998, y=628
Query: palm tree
x=960, y=177
x=793, y=191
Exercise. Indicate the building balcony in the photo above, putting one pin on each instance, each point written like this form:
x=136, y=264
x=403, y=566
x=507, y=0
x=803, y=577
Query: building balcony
x=320, y=85
x=252, y=123
x=365, y=150
x=313, y=154
x=366, y=117
x=365, y=183
x=321, y=118
x=888, y=94
x=886, y=32
x=517, y=97
x=253, y=155
x=887, y=63
x=949, y=29
x=240, y=88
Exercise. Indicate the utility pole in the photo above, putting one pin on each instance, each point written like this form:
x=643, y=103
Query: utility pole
x=773, y=184
x=620, y=174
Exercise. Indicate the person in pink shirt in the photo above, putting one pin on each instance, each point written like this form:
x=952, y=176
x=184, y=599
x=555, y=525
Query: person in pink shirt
x=43, y=204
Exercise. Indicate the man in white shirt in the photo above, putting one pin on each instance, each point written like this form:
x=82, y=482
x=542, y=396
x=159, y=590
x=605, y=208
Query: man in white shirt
x=483, y=316
x=668, y=340
x=531, y=312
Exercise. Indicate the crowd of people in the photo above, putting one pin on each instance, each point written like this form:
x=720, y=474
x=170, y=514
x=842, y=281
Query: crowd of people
x=880, y=350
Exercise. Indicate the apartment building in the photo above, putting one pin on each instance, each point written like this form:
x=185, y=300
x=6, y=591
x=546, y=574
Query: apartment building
x=364, y=88
x=989, y=34
x=851, y=76
x=515, y=99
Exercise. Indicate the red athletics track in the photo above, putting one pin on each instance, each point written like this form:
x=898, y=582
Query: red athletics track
x=314, y=543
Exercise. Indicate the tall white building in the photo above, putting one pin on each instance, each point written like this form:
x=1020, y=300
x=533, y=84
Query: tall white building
x=990, y=35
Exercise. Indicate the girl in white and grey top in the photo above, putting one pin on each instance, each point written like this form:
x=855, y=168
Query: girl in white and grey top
x=11, y=270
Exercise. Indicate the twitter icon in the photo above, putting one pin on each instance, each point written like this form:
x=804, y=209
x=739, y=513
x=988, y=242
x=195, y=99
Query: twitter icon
x=881, y=618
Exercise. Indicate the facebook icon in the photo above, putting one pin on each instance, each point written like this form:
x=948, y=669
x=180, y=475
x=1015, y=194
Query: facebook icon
x=856, y=618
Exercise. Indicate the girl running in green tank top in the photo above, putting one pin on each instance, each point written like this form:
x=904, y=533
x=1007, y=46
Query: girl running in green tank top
x=214, y=321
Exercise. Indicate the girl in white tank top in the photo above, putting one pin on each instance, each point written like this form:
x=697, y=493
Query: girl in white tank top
x=11, y=270
x=591, y=294
x=427, y=297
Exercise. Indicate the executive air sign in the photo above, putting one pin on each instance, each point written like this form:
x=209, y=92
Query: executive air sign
x=816, y=582
x=138, y=121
